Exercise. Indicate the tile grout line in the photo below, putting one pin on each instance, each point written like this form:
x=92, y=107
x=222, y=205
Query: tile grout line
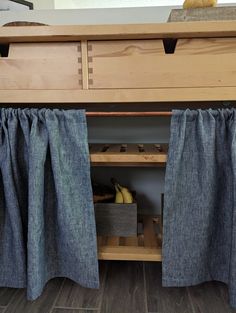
x=71, y=308
x=56, y=298
x=145, y=288
x=5, y=308
x=190, y=300
x=12, y=298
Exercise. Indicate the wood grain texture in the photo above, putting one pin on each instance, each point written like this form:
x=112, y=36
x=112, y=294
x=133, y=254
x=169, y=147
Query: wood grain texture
x=58, y=97
x=111, y=52
x=40, y=73
x=6, y=295
x=203, y=14
x=210, y=297
x=163, y=300
x=150, y=239
x=127, y=114
x=168, y=71
x=122, y=31
x=73, y=295
x=48, y=50
x=124, y=289
x=73, y=311
x=128, y=253
x=42, y=66
x=205, y=46
x=118, y=48
x=43, y=304
x=125, y=292
x=85, y=69
x=40, y=81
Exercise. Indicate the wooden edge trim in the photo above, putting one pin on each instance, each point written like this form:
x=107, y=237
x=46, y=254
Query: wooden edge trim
x=118, y=95
x=125, y=31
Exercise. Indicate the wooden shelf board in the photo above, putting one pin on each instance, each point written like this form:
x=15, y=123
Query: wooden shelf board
x=115, y=154
x=145, y=247
x=124, y=31
x=63, y=97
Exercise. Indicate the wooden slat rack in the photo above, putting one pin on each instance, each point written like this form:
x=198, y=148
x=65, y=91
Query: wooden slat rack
x=128, y=154
x=146, y=246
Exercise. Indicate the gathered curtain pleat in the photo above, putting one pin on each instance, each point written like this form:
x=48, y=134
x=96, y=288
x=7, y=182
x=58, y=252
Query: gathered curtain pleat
x=47, y=223
x=200, y=200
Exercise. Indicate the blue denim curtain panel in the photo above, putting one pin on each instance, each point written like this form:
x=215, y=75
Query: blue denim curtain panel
x=200, y=200
x=47, y=225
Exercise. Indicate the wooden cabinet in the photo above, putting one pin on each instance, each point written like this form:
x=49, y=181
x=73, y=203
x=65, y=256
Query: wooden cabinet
x=119, y=63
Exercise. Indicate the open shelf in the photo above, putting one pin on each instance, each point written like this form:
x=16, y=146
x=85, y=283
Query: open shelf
x=146, y=246
x=128, y=154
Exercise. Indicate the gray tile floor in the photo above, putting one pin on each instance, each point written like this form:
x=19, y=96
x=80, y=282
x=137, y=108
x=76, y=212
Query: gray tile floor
x=126, y=287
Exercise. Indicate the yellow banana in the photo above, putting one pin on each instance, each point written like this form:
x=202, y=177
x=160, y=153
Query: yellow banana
x=199, y=3
x=127, y=195
x=119, y=196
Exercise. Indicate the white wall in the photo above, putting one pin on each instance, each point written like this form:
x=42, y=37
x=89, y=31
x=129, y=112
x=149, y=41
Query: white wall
x=43, y=4
x=89, y=16
x=85, y=4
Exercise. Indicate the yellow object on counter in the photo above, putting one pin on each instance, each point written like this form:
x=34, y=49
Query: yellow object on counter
x=189, y=4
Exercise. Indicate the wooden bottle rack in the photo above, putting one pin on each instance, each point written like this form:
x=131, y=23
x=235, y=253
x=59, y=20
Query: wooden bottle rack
x=146, y=246
x=128, y=154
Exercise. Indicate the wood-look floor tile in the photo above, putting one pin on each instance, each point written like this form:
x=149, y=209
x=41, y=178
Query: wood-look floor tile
x=210, y=297
x=74, y=296
x=161, y=299
x=43, y=304
x=6, y=295
x=73, y=311
x=124, y=288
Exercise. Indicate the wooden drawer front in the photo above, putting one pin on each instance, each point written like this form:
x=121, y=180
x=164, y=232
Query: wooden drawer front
x=42, y=66
x=144, y=64
x=123, y=63
x=205, y=46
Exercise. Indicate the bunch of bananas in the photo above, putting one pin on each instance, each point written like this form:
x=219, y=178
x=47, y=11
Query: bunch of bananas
x=190, y=4
x=123, y=195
